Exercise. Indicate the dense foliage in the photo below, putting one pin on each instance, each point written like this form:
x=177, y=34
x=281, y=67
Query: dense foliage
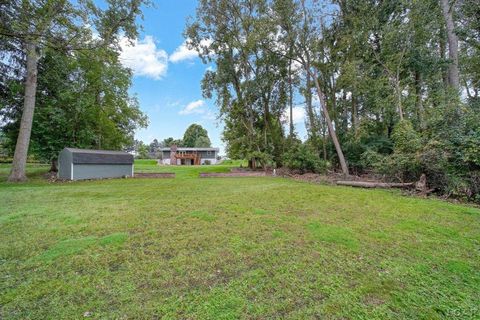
x=61, y=58
x=196, y=136
x=82, y=101
x=388, y=87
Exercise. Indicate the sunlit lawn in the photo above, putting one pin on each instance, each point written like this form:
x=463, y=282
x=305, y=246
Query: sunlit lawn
x=182, y=171
x=251, y=248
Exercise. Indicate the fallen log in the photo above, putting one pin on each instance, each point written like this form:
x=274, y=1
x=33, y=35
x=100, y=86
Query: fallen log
x=368, y=184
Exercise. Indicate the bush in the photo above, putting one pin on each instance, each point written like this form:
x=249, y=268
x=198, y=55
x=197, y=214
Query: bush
x=263, y=159
x=207, y=162
x=400, y=166
x=405, y=138
x=434, y=163
x=301, y=158
x=371, y=159
x=471, y=148
x=445, y=172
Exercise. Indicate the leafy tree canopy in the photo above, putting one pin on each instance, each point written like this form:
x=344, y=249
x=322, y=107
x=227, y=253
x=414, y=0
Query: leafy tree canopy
x=196, y=136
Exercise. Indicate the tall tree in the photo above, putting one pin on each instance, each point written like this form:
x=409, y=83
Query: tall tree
x=452, y=38
x=249, y=81
x=302, y=26
x=82, y=101
x=32, y=26
x=196, y=136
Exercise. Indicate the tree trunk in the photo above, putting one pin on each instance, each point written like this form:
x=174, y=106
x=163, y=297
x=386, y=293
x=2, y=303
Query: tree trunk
x=21, y=149
x=314, y=130
x=333, y=98
x=368, y=184
x=398, y=91
x=290, y=89
x=443, y=49
x=419, y=102
x=331, y=130
x=324, y=140
x=453, y=74
x=54, y=165
x=344, y=112
x=354, y=114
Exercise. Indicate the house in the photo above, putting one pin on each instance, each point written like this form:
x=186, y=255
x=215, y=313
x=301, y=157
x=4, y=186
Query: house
x=189, y=156
x=78, y=164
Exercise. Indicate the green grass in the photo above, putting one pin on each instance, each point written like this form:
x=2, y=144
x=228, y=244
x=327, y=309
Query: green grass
x=182, y=172
x=230, y=248
x=35, y=170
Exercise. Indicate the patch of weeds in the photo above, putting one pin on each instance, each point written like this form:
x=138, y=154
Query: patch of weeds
x=459, y=267
x=379, y=235
x=445, y=231
x=279, y=234
x=470, y=211
x=221, y=304
x=426, y=229
x=422, y=268
x=239, y=244
x=76, y=246
x=333, y=234
x=10, y=217
x=203, y=216
x=410, y=225
x=261, y=211
x=66, y=248
x=69, y=220
x=114, y=239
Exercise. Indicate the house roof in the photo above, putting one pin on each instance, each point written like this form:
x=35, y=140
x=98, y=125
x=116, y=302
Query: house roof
x=191, y=149
x=89, y=156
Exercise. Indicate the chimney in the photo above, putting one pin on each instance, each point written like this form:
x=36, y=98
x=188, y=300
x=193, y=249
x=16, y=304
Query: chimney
x=173, y=151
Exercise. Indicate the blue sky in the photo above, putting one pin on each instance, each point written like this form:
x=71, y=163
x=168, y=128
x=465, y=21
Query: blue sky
x=167, y=76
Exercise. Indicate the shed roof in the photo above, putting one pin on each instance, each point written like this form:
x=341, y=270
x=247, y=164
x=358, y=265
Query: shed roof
x=89, y=156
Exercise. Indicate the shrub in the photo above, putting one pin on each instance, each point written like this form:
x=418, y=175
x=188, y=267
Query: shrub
x=369, y=139
x=405, y=138
x=400, y=166
x=303, y=159
x=434, y=160
x=264, y=159
x=471, y=148
x=370, y=159
x=447, y=174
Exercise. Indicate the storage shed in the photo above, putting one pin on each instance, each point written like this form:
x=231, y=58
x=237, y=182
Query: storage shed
x=78, y=164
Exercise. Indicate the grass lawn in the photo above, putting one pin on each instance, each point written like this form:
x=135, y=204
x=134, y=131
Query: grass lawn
x=182, y=172
x=230, y=248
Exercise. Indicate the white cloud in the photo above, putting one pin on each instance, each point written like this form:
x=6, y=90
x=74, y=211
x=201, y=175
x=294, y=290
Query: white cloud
x=144, y=58
x=193, y=107
x=209, y=115
x=298, y=113
x=184, y=53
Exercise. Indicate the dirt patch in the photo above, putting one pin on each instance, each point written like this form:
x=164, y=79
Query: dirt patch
x=51, y=176
x=154, y=175
x=234, y=174
x=240, y=170
x=327, y=178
